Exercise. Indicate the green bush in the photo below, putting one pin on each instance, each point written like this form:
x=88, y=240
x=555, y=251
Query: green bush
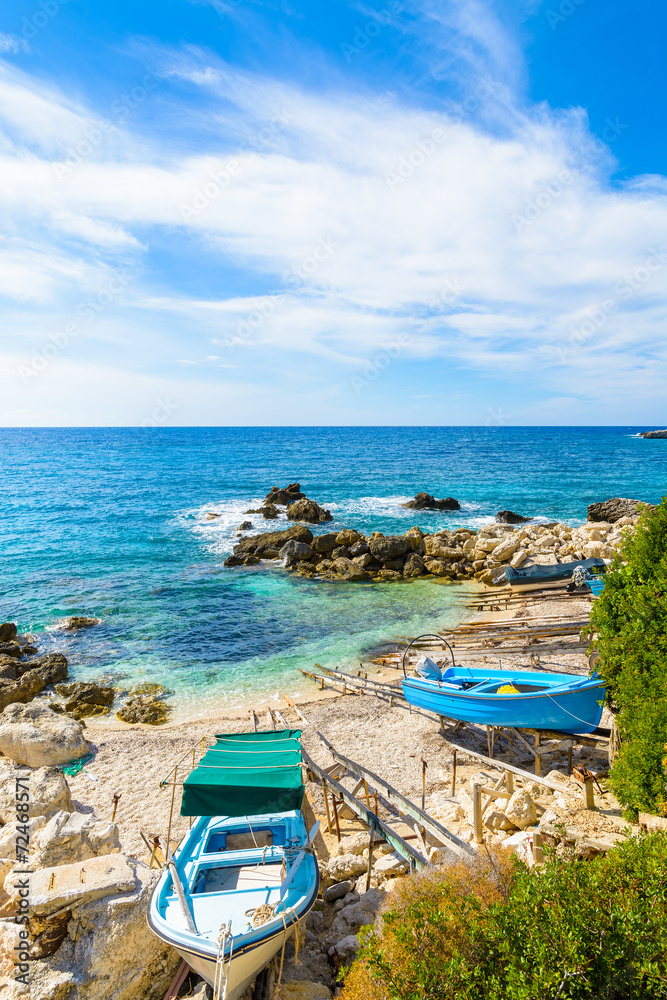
x=499, y=931
x=630, y=618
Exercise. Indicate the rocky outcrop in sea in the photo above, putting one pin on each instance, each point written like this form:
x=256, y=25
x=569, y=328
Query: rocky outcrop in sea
x=461, y=554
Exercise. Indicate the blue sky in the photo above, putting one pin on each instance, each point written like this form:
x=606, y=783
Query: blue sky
x=289, y=212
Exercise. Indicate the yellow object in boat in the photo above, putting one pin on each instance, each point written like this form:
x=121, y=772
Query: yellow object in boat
x=508, y=689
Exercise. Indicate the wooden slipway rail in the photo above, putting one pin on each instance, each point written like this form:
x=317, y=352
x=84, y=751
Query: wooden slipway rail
x=436, y=829
x=401, y=846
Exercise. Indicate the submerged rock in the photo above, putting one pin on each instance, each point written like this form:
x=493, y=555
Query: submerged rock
x=424, y=501
x=144, y=708
x=85, y=698
x=80, y=621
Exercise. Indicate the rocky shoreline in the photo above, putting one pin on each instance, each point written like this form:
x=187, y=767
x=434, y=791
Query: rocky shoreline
x=458, y=555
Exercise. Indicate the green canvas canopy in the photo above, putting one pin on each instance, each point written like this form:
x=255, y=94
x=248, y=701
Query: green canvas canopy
x=246, y=774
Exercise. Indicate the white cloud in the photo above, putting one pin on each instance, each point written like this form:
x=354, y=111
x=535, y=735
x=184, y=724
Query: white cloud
x=360, y=220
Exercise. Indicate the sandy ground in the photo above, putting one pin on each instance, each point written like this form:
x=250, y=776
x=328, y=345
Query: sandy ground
x=133, y=760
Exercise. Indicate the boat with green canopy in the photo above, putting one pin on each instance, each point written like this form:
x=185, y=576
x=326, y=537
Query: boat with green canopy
x=245, y=874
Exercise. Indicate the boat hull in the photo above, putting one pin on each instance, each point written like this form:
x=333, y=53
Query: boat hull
x=223, y=883
x=573, y=708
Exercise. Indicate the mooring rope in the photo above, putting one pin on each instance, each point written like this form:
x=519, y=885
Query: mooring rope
x=225, y=933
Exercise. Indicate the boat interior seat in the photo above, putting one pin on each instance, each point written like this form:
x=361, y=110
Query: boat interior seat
x=238, y=878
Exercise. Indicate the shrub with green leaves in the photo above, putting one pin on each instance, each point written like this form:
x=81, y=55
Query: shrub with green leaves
x=500, y=931
x=630, y=618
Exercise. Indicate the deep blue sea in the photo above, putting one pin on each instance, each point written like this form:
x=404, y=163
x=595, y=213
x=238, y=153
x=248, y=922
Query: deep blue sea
x=111, y=523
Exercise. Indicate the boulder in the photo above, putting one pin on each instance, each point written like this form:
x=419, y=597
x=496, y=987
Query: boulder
x=271, y=540
x=359, y=548
x=293, y=552
x=10, y=649
x=22, y=690
x=144, y=708
x=84, y=698
x=348, y=537
x=413, y=565
x=506, y=549
x=424, y=501
x=324, y=543
x=269, y=512
x=245, y=526
x=509, y=517
x=284, y=496
x=391, y=864
x=37, y=736
x=52, y=667
x=389, y=547
x=70, y=837
x=302, y=989
x=233, y=561
x=49, y=793
x=338, y=889
x=343, y=867
x=108, y=952
x=519, y=558
x=347, y=569
x=352, y=917
x=616, y=508
x=308, y=510
x=653, y=434
x=79, y=621
x=365, y=561
x=8, y=631
x=520, y=810
x=344, y=952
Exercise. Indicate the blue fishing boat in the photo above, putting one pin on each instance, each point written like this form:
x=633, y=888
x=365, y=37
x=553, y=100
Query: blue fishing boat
x=541, y=577
x=516, y=698
x=245, y=874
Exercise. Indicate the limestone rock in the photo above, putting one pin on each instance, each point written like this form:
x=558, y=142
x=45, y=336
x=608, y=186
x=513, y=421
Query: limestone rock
x=520, y=810
x=413, y=565
x=389, y=547
x=352, y=917
x=293, y=552
x=308, y=510
x=283, y=496
x=49, y=793
x=8, y=631
x=337, y=891
x=391, y=864
x=36, y=736
x=344, y=951
x=347, y=569
x=653, y=434
x=109, y=953
x=506, y=549
x=81, y=882
x=21, y=691
x=424, y=501
x=497, y=820
x=70, y=837
x=343, y=867
x=271, y=540
x=519, y=558
x=348, y=537
x=509, y=517
x=84, y=698
x=359, y=548
x=613, y=510
x=324, y=543
x=355, y=844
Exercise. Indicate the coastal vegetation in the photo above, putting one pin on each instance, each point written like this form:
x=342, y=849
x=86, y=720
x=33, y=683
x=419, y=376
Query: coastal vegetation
x=499, y=930
x=630, y=619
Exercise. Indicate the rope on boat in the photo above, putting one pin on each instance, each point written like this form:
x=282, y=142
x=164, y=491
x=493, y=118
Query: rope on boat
x=283, y=914
x=586, y=722
x=221, y=978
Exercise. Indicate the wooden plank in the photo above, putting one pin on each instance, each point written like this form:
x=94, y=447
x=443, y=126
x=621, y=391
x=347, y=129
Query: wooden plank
x=363, y=812
x=504, y=766
x=434, y=828
x=177, y=981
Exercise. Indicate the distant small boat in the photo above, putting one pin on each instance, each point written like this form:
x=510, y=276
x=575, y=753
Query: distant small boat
x=547, y=577
x=245, y=873
x=515, y=698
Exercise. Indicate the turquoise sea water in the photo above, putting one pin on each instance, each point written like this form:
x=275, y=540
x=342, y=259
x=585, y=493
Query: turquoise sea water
x=112, y=523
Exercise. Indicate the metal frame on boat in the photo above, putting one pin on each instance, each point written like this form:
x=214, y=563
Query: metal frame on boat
x=245, y=874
